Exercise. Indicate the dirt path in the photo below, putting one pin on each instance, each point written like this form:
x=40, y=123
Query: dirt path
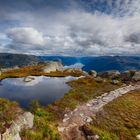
x=69, y=127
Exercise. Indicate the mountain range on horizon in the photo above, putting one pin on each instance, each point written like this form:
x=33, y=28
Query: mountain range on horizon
x=98, y=63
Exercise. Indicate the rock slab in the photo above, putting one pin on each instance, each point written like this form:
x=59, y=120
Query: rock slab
x=24, y=121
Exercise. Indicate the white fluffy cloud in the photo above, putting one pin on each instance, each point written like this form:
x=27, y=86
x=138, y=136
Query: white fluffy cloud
x=25, y=35
x=79, y=32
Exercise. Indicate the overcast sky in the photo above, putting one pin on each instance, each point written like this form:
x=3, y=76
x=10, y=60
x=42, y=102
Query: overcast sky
x=70, y=27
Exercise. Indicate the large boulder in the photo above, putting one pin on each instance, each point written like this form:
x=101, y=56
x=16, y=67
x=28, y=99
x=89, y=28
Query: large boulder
x=52, y=66
x=113, y=74
x=136, y=76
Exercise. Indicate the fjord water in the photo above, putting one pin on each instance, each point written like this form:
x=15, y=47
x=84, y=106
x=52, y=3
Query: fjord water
x=44, y=89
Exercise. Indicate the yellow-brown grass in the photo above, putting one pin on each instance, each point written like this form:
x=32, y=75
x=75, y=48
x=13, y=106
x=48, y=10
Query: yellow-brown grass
x=121, y=117
x=36, y=71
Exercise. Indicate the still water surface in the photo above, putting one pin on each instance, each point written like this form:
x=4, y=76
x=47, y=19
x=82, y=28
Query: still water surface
x=44, y=89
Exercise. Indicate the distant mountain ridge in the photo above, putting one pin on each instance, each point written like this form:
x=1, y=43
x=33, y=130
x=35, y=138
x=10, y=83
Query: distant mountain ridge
x=99, y=63
x=11, y=60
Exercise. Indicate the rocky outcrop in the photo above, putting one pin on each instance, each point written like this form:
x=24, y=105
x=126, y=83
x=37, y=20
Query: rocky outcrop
x=24, y=121
x=136, y=76
x=110, y=74
x=52, y=66
x=127, y=75
x=116, y=76
x=130, y=75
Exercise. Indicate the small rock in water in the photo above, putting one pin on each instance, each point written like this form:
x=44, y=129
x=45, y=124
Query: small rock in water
x=28, y=79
